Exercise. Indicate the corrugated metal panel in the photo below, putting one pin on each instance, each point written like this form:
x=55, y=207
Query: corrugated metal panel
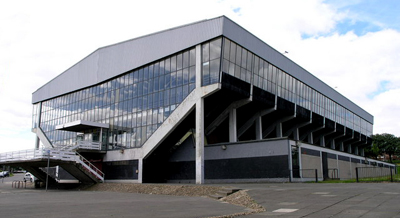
x=113, y=60
x=236, y=33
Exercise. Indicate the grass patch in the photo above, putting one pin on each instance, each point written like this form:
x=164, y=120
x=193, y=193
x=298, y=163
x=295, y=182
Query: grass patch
x=339, y=181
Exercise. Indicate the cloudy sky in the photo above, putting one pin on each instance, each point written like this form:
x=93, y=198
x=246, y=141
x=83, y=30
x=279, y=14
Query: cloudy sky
x=352, y=45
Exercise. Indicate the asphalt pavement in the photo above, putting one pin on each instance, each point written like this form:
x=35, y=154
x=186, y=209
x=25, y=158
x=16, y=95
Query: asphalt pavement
x=279, y=199
x=366, y=200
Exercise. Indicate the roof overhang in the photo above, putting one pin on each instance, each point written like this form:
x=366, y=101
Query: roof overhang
x=81, y=125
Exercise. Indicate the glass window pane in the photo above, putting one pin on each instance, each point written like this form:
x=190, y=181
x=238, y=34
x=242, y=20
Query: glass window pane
x=173, y=63
x=186, y=59
x=214, y=71
x=227, y=45
x=179, y=61
x=192, y=57
x=205, y=52
x=215, y=49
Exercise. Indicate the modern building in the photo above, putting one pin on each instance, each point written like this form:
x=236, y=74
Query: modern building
x=203, y=102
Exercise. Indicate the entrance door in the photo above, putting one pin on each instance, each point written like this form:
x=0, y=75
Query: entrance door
x=295, y=162
x=325, y=170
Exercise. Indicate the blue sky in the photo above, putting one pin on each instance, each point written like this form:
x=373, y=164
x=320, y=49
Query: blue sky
x=367, y=15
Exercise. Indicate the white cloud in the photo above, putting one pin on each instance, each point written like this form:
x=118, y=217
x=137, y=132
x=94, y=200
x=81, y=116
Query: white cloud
x=357, y=66
x=41, y=39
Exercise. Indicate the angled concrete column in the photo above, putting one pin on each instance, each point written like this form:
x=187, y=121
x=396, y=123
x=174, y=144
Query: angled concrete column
x=232, y=126
x=225, y=114
x=277, y=126
x=258, y=128
x=253, y=119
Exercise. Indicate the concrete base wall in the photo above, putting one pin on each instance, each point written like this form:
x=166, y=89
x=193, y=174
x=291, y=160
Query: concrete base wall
x=257, y=161
x=309, y=164
x=344, y=164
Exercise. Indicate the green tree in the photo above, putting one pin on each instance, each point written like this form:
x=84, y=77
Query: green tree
x=373, y=151
x=386, y=144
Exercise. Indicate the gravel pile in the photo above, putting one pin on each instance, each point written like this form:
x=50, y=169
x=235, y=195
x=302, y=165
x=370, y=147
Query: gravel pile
x=240, y=198
x=155, y=189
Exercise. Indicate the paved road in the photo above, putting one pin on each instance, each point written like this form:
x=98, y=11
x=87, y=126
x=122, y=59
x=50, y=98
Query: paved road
x=366, y=200
x=282, y=200
x=38, y=203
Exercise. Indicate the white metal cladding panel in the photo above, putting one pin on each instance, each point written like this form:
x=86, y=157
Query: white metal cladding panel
x=113, y=60
x=79, y=75
x=260, y=48
x=110, y=61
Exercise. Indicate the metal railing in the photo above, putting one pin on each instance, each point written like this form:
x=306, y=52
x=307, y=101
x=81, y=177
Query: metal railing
x=18, y=184
x=90, y=145
x=333, y=173
x=32, y=154
x=377, y=174
x=308, y=174
x=90, y=167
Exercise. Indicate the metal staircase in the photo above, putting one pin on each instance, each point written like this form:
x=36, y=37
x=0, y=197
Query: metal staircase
x=70, y=160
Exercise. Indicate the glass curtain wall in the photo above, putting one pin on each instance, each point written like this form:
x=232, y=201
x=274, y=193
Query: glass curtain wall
x=242, y=64
x=134, y=104
x=211, y=61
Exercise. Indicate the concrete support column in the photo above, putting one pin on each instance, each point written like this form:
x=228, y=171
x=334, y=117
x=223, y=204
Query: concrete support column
x=258, y=128
x=279, y=130
x=232, y=126
x=198, y=66
x=140, y=170
x=199, y=136
x=361, y=151
x=200, y=141
x=341, y=145
x=333, y=146
x=356, y=150
x=37, y=143
x=322, y=141
x=311, y=138
x=296, y=134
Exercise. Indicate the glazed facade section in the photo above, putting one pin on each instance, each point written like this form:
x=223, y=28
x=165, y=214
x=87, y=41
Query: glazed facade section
x=241, y=63
x=136, y=103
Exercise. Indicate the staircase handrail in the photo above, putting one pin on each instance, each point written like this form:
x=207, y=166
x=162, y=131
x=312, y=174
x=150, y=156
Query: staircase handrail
x=19, y=155
x=31, y=154
x=89, y=166
x=92, y=145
